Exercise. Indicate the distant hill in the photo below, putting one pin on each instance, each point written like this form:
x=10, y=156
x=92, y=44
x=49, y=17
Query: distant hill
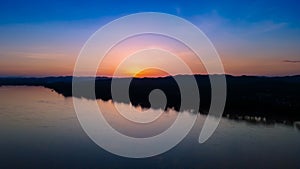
x=272, y=97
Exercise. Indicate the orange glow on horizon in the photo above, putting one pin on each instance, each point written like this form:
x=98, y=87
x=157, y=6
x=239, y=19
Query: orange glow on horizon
x=62, y=64
x=149, y=56
x=151, y=72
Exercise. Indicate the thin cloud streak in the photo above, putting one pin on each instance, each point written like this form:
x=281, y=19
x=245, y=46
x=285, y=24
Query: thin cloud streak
x=291, y=61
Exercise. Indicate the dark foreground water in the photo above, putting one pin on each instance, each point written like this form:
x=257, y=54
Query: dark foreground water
x=39, y=129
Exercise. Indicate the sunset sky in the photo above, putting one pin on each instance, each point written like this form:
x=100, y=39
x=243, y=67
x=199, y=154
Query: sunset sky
x=44, y=38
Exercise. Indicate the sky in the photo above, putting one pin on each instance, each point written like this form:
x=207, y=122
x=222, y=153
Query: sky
x=44, y=38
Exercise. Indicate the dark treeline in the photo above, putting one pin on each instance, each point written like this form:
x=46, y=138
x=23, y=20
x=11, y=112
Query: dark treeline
x=271, y=97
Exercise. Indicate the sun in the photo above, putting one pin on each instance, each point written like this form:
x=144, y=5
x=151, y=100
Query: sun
x=150, y=72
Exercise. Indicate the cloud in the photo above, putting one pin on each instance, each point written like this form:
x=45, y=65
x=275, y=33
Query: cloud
x=268, y=26
x=291, y=61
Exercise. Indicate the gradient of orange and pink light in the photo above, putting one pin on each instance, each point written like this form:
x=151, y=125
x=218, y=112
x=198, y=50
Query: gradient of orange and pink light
x=31, y=51
x=149, y=55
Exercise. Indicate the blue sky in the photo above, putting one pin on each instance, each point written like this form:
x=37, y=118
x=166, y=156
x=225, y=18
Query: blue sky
x=36, y=11
x=250, y=35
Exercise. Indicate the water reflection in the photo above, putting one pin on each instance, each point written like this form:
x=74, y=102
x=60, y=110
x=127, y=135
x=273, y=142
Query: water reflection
x=39, y=129
x=297, y=125
x=133, y=129
x=257, y=120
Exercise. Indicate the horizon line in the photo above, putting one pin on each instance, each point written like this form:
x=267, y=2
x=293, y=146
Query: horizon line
x=146, y=77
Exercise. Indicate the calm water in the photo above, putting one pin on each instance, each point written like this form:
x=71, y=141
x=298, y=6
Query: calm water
x=39, y=129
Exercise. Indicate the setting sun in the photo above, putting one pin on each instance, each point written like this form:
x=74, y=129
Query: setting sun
x=149, y=56
x=151, y=72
